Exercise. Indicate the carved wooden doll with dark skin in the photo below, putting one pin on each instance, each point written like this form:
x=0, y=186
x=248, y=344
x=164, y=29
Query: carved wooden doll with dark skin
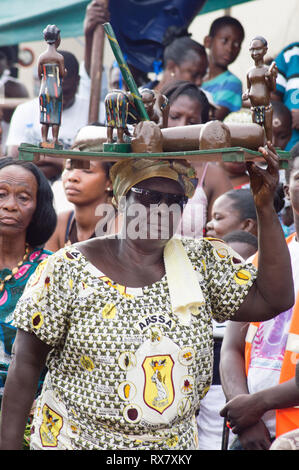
x=51, y=72
x=261, y=81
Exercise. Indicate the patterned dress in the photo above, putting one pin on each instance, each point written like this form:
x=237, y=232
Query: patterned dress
x=124, y=373
x=11, y=293
x=50, y=95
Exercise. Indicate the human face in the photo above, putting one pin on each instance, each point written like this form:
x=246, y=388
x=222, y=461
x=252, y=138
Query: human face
x=116, y=81
x=193, y=69
x=225, y=218
x=281, y=132
x=225, y=46
x=150, y=215
x=69, y=87
x=18, y=193
x=257, y=50
x=184, y=111
x=84, y=187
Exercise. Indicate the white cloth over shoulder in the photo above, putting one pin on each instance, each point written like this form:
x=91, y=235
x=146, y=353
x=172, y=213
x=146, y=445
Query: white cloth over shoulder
x=186, y=297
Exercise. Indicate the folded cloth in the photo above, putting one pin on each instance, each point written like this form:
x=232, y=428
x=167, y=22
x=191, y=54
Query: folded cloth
x=185, y=292
x=126, y=173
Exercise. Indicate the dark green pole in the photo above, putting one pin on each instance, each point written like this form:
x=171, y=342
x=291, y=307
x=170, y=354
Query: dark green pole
x=125, y=71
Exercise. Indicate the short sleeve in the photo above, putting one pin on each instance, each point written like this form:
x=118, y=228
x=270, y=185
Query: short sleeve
x=229, y=279
x=43, y=307
x=230, y=96
x=281, y=81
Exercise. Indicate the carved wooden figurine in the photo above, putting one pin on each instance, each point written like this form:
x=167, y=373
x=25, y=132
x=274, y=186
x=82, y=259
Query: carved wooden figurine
x=261, y=81
x=121, y=110
x=51, y=72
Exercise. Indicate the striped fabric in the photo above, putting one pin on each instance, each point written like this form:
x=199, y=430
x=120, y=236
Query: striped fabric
x=226, y=90
x=287, y=82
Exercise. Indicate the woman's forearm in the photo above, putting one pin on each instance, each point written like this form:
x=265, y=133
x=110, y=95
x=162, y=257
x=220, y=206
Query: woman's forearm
x=17, y=401
x=28, y=361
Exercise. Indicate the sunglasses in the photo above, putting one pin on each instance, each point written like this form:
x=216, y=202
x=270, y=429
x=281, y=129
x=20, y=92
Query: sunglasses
x=146, y=197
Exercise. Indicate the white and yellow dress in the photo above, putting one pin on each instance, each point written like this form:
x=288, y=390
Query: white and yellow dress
x=125, y=372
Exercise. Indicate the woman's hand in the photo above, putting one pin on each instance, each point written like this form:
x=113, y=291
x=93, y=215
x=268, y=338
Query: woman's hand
x=263, y=182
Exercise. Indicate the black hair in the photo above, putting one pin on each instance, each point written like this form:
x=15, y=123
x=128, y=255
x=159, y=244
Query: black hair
x=71, y=63
x=51, y=33
x=294, y=153
x=181, y=87
x=280, y=109
x=260, y=38
x=178, y=44
x=44, y=219
x=241, y=236
x=223, y=21
x=243, y=202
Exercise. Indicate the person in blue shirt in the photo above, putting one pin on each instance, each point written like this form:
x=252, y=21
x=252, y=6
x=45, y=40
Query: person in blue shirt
x=287, y=86
x=224, y=44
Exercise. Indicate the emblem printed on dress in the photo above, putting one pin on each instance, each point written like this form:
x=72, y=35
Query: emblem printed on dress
x=158, y=388
x=50, y=427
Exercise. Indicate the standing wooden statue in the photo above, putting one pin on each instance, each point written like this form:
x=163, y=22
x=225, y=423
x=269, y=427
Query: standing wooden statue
x=261, y=81
x=51, y=72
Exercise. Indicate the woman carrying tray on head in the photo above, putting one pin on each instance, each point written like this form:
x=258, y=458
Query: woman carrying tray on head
x=125, y=321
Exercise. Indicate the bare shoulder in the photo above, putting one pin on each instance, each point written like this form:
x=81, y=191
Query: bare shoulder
x=57, y=240
x=216, y=175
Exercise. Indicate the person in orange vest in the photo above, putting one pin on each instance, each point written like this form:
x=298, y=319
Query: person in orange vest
x=259, y=379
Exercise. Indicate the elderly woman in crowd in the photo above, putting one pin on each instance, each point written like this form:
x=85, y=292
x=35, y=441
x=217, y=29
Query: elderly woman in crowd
x=27, y=220
x=125, y=321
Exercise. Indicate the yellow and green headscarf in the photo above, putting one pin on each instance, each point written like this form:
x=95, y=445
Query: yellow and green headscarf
x=126, y=173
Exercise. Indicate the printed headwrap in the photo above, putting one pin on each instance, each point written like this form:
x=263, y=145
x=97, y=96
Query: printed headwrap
x=126, y=173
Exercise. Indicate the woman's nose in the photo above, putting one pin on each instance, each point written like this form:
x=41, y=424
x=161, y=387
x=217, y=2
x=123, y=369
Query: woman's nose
x=73, y=176
x=209, y=225
x=10, y=203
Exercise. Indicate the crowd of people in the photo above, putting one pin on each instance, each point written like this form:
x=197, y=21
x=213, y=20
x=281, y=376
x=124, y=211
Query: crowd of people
x=114, y=341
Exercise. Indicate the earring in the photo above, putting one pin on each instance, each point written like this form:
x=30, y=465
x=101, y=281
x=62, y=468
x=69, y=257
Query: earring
x=172, y=74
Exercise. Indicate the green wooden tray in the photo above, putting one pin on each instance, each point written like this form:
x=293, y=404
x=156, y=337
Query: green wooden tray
x=232, y=154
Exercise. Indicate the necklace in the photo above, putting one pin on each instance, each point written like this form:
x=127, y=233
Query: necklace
x=16, y=269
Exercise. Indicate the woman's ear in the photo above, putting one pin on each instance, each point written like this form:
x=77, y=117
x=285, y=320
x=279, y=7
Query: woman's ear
x=207, y=42
x=250, y=225
x=286, y=191
x=108, y=186
x=171, y=67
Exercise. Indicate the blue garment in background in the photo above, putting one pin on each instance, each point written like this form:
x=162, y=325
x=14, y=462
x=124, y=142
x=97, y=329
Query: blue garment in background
x=287, y=82
x=226, y=90
x=140, y=25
